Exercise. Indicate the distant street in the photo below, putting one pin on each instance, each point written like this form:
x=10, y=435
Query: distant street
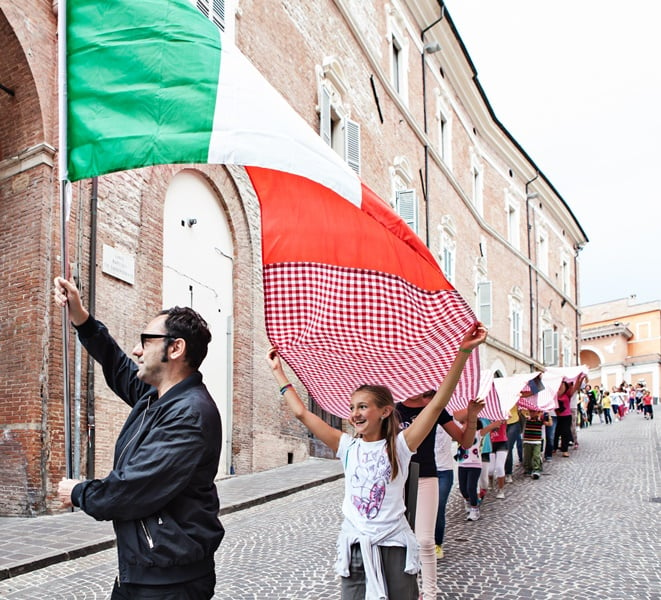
x=590, y=529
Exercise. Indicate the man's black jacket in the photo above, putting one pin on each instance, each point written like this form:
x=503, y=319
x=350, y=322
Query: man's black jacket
x=160, y=494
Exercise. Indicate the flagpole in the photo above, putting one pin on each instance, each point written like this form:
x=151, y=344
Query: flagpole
x=65, y=206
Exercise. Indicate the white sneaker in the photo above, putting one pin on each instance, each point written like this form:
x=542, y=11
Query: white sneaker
x=473, y=515
x=467, y=506
x=500, y=495
x=508, y=479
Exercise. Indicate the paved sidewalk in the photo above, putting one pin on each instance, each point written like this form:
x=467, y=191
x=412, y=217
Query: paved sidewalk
x=27, y=544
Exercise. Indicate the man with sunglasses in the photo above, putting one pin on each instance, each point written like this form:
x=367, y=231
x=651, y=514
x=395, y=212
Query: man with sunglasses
x=160, y=494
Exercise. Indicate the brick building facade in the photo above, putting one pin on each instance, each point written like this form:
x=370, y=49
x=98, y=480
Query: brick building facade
x=391, y=87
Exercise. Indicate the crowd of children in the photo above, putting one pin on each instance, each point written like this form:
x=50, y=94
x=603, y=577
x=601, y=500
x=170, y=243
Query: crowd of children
x=537, y=436
x=610, y=406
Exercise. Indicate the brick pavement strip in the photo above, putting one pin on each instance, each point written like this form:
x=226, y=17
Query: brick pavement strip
x=588, y=529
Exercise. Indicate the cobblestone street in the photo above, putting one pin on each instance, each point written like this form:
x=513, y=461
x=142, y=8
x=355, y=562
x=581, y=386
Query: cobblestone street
x=588, y=529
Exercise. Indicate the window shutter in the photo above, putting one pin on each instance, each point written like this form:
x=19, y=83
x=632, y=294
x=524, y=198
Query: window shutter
x=406, y=207
x=214, y=10
x=219, y=14
x=516, y=330
x=352, y=144
x=484, y=302
x=448, y=264
x=325, y=116
x=203, y=7
x=550, y=342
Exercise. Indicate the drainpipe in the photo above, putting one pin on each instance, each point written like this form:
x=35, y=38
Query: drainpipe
x=577, y=249
x=77, y=376
x=427, y=49
x=91, y=416
x=229, y=459
x=529, y=197
x=229, y=366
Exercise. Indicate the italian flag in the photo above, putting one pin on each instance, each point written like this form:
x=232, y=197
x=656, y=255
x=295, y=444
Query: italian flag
x=352, y=295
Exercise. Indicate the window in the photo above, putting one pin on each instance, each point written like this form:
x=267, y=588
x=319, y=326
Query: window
x=550, y=347
x=484, y=302
x=566, y=349
x=352, y=144
x=398, y=42
x=513, y=222
x=516, y=317
x=214, y=10
x=543, y=252
x=448, y=247
x=448, y=263
x=477, y=181
x=564, y=274
x=477, y=189
x=396, y=61
x=406, y=206
x=335, y=127
x=443, y=116
x=515, y=329
x=325, y=116
x=643, y=331
x=442, y=135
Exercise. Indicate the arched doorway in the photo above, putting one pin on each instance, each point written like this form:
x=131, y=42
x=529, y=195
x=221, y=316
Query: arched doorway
x=197, y=272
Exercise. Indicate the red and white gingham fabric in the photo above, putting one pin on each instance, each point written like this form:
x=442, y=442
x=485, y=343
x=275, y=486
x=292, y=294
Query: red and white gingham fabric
x=501, y=393
x=547, y=399
x=339, y=328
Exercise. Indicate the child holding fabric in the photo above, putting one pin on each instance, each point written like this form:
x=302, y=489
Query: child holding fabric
x=377, y=551
x=532, y=441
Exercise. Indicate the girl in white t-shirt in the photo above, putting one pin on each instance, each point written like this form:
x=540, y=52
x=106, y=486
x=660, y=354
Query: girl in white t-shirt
x=377, y=551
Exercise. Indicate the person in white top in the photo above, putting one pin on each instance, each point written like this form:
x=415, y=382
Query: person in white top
x=377, y=551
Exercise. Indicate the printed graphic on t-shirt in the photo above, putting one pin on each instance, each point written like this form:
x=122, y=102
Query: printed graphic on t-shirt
x=369, y=481
x=463, y=454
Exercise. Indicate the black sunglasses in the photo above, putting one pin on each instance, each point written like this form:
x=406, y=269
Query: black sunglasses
x=154, y=336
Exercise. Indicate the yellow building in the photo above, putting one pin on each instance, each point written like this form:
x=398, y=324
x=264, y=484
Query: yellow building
x=621, y=341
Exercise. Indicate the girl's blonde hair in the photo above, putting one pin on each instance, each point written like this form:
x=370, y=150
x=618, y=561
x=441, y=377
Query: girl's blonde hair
x=390, y=425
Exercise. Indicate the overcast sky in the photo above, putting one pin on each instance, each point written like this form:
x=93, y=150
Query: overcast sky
x=578, y=84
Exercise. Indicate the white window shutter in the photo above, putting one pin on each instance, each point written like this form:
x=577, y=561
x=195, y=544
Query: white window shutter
x=203, y=7
x=448, y=264
x=214, y=10
x=325, y=116
x=218, y=14
x=516, y=330
x=352, y=144
x=406, y=206
x=550, y=344
x=484, y=302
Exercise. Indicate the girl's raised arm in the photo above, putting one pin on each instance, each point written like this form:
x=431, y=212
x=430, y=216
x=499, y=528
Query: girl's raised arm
x=318, y=427
x=425, y=421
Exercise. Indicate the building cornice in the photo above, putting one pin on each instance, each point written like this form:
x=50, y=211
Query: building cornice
x=603, y=331
x=643, y=359
x=41, y=154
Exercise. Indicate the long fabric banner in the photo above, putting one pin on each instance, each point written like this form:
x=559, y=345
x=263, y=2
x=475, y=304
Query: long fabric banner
x=352, y=295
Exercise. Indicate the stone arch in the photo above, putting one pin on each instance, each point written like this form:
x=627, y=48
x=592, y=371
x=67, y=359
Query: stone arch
x=591, y=357
x=498, y=367
x=21, y=121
